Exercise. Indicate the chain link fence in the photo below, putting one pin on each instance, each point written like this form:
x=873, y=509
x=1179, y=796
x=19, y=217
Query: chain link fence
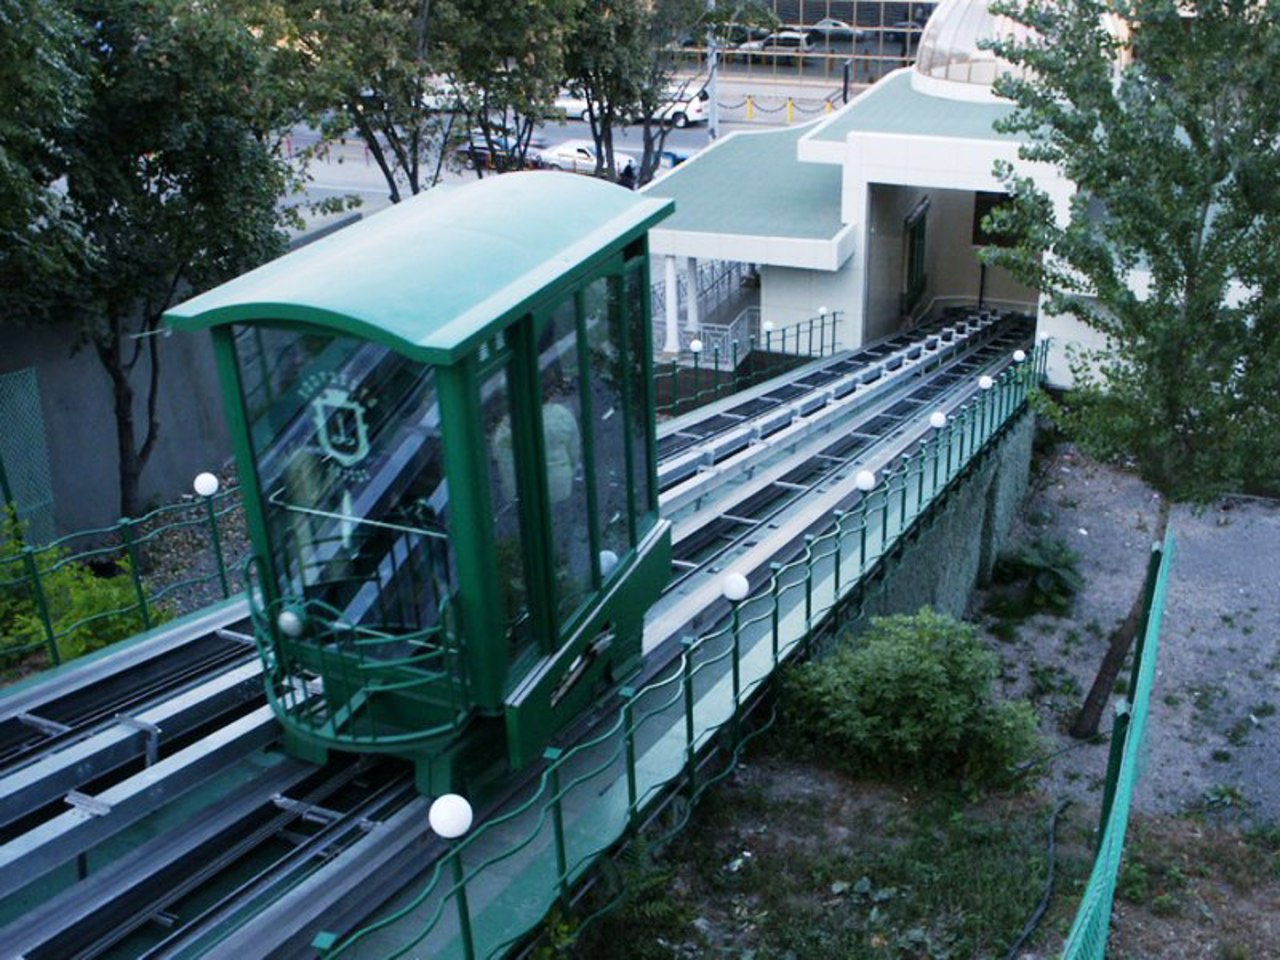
x=24, y=456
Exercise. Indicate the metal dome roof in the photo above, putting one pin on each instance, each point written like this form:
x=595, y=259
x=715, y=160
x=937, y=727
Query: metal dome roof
x=950, y=62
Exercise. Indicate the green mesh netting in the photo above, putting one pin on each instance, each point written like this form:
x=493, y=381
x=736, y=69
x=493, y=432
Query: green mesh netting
x=24, y=457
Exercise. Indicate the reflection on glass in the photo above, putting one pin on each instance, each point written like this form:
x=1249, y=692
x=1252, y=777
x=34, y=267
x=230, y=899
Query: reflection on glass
x=562, y=439
x=602, y=314
x=641, y=406
x=346, y=435
x=504, y=489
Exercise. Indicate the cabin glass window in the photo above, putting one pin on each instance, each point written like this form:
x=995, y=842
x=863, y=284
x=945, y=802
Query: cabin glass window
x=603, y=330
x=570, y=521
x=504, y=500
x=346, y=437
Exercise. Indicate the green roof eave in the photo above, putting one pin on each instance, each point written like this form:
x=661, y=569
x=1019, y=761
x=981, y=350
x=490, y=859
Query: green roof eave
x=434, y=275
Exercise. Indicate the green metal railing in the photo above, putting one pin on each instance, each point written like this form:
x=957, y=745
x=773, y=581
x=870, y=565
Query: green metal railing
x=698, y=375
x=1088, y=937
x=52, y=597
x=360, y=665
x=595, y=794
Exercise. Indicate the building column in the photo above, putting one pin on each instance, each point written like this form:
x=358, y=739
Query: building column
x=672, y=298
x=691, y=294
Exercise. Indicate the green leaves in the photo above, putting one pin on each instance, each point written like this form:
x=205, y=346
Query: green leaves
x=913, y=696
x=1159, y=114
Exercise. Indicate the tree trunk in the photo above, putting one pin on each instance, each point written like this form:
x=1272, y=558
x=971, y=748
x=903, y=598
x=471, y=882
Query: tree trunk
x=130, y=469
x=1089, y=718
x=132, y=456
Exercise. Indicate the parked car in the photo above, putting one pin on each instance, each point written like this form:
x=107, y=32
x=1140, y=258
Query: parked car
x=783, y=45
x=904, y=31
x=829, y=28
x=579, y=156
x=571, y=105
x=736, y=34
x=478, y=153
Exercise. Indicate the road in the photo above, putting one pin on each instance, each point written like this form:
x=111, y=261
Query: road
x=347, y=169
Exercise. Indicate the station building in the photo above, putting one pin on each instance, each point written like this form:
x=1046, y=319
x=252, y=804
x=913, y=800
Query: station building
x=871, y=215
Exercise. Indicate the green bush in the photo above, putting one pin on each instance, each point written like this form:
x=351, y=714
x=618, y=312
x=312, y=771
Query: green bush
x=913, y=696
x=87, y=611
x=1043, y=574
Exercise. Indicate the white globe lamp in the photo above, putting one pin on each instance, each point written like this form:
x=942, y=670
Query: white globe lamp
x=450, y=816
x=205, y=484
x=290, y=623
x=735, y=587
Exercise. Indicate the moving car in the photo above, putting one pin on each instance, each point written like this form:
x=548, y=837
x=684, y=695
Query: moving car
x=571, y=105
x=683, y=108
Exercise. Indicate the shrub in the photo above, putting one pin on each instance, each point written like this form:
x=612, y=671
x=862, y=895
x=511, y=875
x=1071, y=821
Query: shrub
x=87, y=611
x=1045, y=574
x=913, y=697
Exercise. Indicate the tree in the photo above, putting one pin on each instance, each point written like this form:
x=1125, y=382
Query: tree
x=172, y=180
x=371, y=68
x=42, y=88
x=1168, y=128
x=608, y=52
x=623, y=57
x=1178, y=178
x=509, y=62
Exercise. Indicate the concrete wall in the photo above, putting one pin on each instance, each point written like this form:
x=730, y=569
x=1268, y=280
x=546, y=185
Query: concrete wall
x=77, y=404
x=956, y=551
x=789, y=295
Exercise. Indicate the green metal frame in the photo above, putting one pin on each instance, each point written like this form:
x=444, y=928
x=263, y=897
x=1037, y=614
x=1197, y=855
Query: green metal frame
x=467, y=674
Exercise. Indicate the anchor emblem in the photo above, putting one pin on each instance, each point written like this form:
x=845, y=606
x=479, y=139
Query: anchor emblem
x=340, y=426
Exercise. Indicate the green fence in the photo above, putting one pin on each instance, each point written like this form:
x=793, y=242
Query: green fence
x=81, y=591
x=1088, y=937
x=495, y=886
x=704, y=373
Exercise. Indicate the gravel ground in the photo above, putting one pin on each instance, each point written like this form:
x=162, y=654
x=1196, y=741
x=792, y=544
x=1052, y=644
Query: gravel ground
x=1211, y=737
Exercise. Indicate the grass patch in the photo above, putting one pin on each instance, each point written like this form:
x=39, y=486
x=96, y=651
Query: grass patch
x=827, y=867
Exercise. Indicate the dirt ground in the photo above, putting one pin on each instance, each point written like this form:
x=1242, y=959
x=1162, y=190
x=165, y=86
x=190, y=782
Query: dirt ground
x=1210, y=780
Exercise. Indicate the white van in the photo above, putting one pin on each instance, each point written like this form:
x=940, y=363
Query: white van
x=683, y=107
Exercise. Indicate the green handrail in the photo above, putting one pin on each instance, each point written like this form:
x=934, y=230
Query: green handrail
x=38, y=576
x=1088, y=937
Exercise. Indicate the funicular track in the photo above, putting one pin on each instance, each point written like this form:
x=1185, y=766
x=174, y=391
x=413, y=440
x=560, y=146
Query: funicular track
x=193, y=892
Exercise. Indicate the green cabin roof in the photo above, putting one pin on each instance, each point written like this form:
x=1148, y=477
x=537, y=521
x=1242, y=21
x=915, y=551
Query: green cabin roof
x=432, y=276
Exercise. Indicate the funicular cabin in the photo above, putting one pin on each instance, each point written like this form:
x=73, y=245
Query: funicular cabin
x=443, y=420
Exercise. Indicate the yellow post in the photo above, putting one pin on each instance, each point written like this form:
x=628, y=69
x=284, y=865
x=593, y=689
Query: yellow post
x=751, y=108
x=828, y=108
x=791, y=110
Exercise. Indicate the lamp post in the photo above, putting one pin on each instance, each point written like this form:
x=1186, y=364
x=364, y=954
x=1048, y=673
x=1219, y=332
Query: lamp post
x=985, y=383
x=735, y=588
x=937, y=420
x=205, y=486
x=865, y=481
x=450, y=817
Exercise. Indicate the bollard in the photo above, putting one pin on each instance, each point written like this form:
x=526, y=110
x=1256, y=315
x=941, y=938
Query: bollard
x=751, y=108
x=791, y=111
